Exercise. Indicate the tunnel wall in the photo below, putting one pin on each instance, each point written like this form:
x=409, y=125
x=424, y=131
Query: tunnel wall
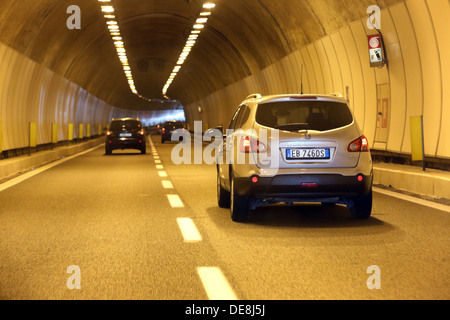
x=415, y=82
x=30, y=92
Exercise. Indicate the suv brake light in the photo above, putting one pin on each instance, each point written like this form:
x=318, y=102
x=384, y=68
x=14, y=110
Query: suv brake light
x=141, y=132
x=359, y=145
x=108, y=133
x=303, y=98
x=251, y=145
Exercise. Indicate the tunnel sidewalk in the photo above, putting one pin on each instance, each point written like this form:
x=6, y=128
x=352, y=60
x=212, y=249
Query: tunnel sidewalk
x=431, y=183
x=10, y=168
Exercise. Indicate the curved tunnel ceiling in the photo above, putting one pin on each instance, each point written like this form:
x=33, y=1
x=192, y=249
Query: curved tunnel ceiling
x=240, y=38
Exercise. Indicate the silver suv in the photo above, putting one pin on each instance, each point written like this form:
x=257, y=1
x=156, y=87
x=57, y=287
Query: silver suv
x=294, y=148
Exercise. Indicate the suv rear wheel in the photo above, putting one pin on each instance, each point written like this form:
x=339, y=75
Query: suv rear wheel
x=361, y=206
x=239, y=206
x=223, y=196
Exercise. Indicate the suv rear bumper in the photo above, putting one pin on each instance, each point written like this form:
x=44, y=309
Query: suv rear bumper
x=126, y=143
x=304, y=187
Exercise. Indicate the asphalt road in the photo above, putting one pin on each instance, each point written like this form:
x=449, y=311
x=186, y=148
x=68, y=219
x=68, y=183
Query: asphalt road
x=129, y=230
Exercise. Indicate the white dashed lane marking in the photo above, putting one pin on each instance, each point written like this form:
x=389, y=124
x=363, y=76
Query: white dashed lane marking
x=162, y=174
x=175, y=201
x=189, y=230
x=167, y=184
x=215, y=284
x=212, y=278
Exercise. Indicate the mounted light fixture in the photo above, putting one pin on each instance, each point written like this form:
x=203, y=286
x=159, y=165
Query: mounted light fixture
x=114, y=30
x=197, y=28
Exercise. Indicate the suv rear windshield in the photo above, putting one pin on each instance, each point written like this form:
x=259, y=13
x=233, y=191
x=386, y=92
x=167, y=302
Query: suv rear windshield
x=302, y=115
x=174, y=125
x=125, y=124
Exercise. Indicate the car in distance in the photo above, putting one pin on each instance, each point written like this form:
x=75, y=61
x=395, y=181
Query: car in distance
x=168, y=128
x=321, y=155
x=125, y=133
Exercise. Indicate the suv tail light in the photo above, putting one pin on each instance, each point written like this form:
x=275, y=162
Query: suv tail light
x=250, y=145
x=108, y=133
x=141, y=132
x=359, y=145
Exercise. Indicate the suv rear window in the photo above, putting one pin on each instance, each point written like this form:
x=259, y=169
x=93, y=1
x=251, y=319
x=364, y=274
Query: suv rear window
x=125, y=124
x=174, y=125
x=302, y=115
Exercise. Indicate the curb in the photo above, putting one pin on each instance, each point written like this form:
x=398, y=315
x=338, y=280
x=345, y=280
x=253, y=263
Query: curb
x=10, y=168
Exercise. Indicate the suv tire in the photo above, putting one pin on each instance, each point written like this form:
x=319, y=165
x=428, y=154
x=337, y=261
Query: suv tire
x=361, y=206
x=223, y=196
x=239, y=206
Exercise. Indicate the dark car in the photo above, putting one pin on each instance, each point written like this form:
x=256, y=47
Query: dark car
x=168, y=128
x=125, y=133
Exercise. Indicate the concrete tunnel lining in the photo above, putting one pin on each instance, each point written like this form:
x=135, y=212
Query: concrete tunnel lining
x=39, y=32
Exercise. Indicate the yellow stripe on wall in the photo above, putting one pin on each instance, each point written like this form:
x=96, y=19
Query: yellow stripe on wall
x=33, y=134
x=54, y=133
x=70, y=133
x=1, y=138
x=416, y=138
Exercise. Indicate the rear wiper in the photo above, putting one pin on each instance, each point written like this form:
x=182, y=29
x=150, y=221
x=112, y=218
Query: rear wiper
x=293, y=126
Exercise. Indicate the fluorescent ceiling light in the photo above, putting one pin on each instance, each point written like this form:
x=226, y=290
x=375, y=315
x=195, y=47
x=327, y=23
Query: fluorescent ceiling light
x=108, y=9
x=209, y=5
x=198, y=26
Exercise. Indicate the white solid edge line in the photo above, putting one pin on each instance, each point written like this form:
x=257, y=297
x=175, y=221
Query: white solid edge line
x=189, y=230
x=215, y=284
x=28, y=175
x=419, y=201
x=175, y=201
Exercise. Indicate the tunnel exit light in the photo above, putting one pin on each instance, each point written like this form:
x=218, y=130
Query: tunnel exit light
x=193, y=36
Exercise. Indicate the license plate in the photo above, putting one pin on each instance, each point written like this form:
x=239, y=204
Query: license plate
x=307, y=154
x=125, y=135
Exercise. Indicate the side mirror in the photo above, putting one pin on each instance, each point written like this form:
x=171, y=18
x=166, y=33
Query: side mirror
x=214, y=133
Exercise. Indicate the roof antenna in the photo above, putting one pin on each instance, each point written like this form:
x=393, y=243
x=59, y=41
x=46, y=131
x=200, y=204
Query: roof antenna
x=301, y=81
